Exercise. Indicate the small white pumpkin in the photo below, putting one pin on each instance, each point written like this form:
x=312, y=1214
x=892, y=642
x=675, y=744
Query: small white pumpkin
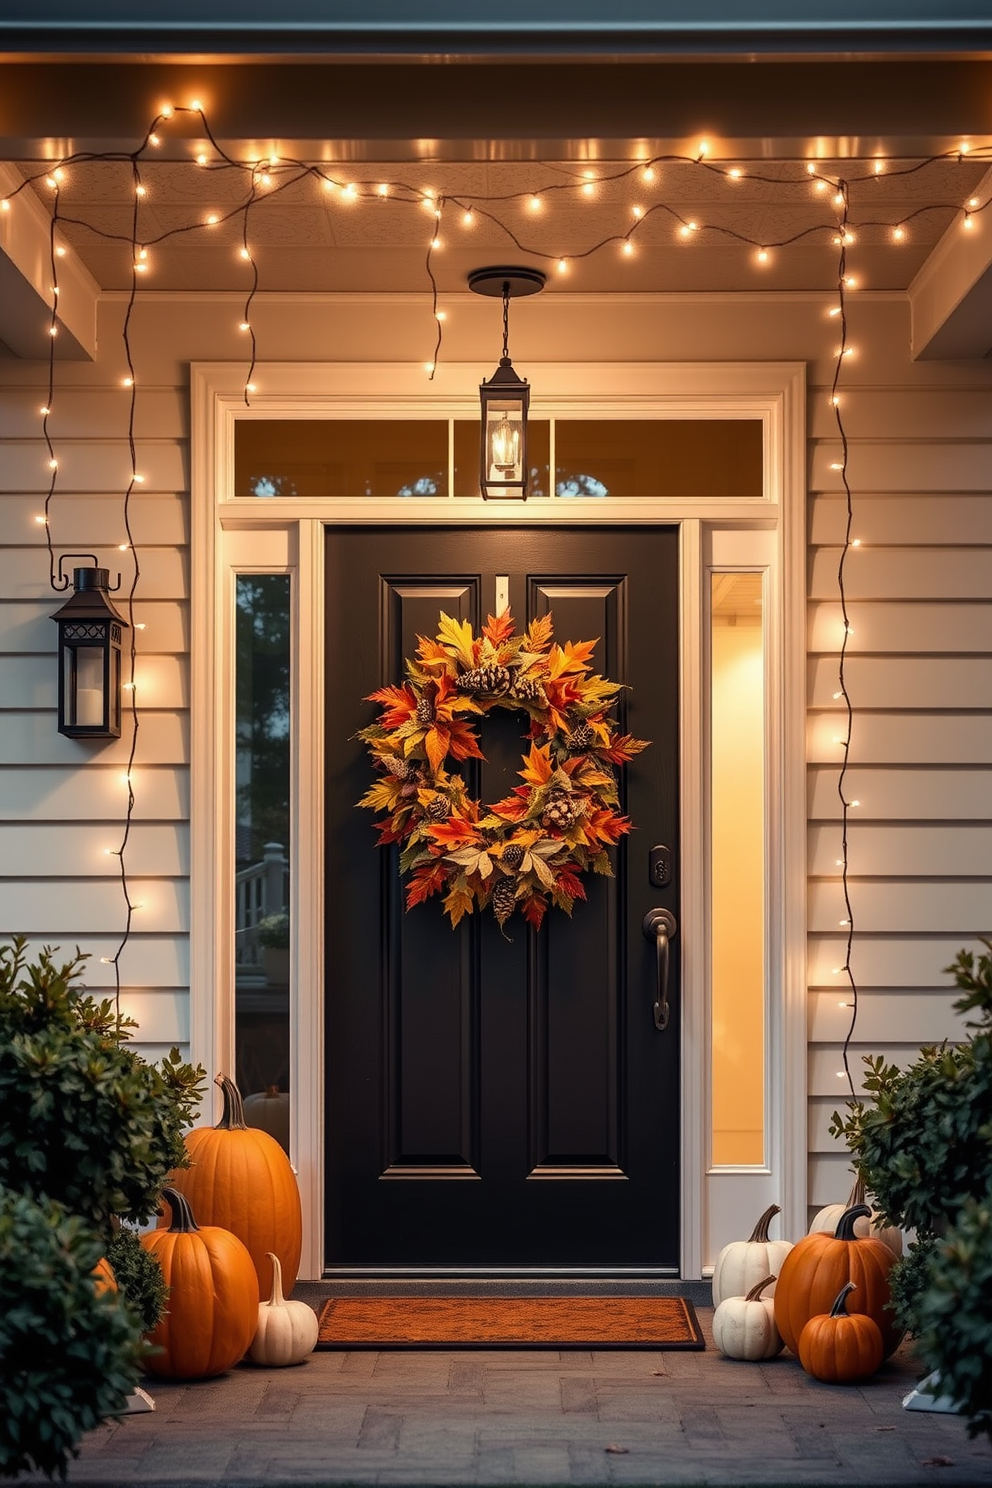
x=287, y=1331
x=741, y=1264
x=744, y=1327
x=828, y=1218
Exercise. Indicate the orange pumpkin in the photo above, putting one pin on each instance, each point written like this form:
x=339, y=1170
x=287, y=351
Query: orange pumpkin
x=103, y=1277
x=242, y=1180
x=818, y=1266
x=836, y=1347
x=213, y=1297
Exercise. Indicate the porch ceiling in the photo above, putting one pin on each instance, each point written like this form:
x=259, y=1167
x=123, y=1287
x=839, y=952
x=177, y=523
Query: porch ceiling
x=490, y=133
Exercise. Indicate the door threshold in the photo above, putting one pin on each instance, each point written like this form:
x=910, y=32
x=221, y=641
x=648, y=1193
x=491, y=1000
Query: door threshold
x=423, y=1281
x=498, y=1273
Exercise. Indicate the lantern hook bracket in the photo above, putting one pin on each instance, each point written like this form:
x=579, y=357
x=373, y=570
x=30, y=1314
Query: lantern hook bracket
x=65, y=581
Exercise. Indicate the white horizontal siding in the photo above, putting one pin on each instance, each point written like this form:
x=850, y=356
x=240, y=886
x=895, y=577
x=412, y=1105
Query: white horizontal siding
x=162, y=682
x=62, y=801
x=919, y=738
x=904, y=573
x=951, y=906
x=157, y=520
x=919, y=676
x=163, y=625
x=93, y=466
x=161, y=905
x=164, y=740
x=945, y=793
x=164, y=574
x=85, y=849
x=919, y=628
x=904, y=682
x=49, y=793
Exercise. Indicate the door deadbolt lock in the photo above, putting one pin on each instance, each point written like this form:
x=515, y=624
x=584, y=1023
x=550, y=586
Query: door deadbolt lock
x=660, y=866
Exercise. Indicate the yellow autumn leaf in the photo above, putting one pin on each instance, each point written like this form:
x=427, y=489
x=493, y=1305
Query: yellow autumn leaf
x=456, y=637
x=458, y=902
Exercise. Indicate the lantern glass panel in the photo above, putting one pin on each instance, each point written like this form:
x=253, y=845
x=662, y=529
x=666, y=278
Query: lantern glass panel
x=504, y=440
x=84, y=682
x=115, y=689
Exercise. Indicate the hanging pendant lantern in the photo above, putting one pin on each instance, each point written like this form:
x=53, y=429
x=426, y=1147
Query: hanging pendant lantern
x=505, y=397
x=90, y=634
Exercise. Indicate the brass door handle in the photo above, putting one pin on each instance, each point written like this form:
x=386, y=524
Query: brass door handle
x=660, y=925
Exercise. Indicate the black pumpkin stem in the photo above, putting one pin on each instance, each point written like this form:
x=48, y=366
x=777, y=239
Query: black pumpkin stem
x=183, y=1222
x=233, y=1117
x=760, y=1231
x=839, y=1308
x=847, y=1221
x=754, y=1295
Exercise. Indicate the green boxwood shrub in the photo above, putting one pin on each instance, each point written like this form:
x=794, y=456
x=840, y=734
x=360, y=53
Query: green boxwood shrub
x=68, y=1357
x=923, y=1141
x=84, y=1119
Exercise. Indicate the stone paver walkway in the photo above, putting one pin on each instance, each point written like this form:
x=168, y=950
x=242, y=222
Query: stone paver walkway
x=524, y=1417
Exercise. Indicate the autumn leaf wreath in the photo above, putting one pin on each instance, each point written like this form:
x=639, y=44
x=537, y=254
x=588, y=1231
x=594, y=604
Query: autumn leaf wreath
x=531, y=848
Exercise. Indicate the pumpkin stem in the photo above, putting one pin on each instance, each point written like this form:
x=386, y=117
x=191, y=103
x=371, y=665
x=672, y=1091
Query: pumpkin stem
x=233, y=1118
x=839, y=1308
x=760, y=1231
x=277, y=1299
x=183, y=1222
x=847, y=1221
x=754, y=1295
x=857, y=1194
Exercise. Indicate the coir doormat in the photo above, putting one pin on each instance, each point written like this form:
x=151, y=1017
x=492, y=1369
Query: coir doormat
x=509, y=1322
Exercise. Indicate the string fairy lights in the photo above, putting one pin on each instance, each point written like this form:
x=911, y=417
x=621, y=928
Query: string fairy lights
x=832, y=222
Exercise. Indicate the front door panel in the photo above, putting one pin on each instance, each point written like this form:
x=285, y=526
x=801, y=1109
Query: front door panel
x=500, y=1100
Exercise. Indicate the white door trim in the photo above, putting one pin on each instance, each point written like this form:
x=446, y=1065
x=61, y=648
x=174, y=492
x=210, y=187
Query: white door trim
x=230, y=535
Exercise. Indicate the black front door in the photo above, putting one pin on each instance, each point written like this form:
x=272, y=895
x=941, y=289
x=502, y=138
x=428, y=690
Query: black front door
x=491, y=1101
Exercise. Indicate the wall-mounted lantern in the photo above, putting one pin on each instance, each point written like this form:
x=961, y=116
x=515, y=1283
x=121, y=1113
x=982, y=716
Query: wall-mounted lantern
x=505, y=397
x=90, y=633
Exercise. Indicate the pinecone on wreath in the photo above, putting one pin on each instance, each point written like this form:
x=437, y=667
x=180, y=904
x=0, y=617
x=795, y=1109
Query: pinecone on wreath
x=424, y=712
x=399, y=768
x=529, y=690
x=512, y=855
x=438, y=809
x=504, y=898
x=492, y=680
x=580, y=738
x=559, y=812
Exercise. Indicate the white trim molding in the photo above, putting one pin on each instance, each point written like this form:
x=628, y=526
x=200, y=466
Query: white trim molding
x=236, y=534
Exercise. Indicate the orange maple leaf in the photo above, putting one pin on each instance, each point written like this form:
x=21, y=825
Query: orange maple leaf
x=569, y=883
x=623, y=748
x=533, y=908
x=399, y=703
x=511, y=808
x=426, y=881
x=430, y=652
x=454, y=833
x=498, y=628
x=436, y=742
x=539, y=633
x=538, y=768
x=462, y=741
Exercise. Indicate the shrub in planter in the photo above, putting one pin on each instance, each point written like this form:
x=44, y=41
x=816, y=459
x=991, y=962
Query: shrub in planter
x=955, y=1313
x=83, y=1118
x=69, y=1348
x=923, y=1142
